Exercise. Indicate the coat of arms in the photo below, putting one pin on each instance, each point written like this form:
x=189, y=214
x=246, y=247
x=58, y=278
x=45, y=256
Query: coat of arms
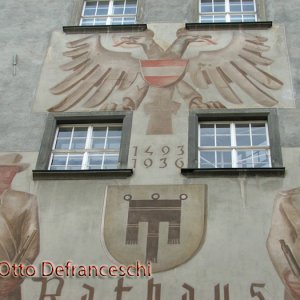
x=164, y=225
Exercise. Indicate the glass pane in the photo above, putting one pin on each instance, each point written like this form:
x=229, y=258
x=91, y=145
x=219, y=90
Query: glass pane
x=102, y=8
x=62, y=144
x=100, y=21
x=89, y=12
x=259, y=140
x=242, y=129
x=222, y=129
x=219, y=6
x=64, y=133
x=75, y=160
x=114, y=132
x=244, y=159
x=224, y=159
x=99, y=132
x=95, y=162
x=90, y=4
x=102, y=12
x=223, y=140
x=206, y=19
x=90, y=8
x=235, y=5
x=87, y=22
x=98, y=143
x=206, y=8
x=57, y=167
x=78, y=143
x=249, y=18
x=207, y=159
x=243, y=140
x=207, y=141
x=80, y=132
x=117, y=21
x=130, y=10
x=111, y=162
x=258, y=128
x=207, y=129
x=261, y=159
x=130, y=7
x=118, y=7
x=129, y=21
x=248, y=5
x=219, y=19
x=113, y=143
x=59, y=160
x=236, y=18
x=73, y=168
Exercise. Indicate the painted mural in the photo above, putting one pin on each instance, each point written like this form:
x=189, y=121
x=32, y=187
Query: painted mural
x=19, y=228
x=95, y=234
x=162, y=74
x=283, y=242
x=163, y=224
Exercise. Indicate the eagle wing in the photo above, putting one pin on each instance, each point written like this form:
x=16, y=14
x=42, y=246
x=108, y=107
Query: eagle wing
x=240, y=62
x=96, y=74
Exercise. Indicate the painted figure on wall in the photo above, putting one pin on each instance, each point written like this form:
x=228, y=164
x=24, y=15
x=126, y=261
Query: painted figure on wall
x=103, y=79
x=19, y=229
x=284, y=241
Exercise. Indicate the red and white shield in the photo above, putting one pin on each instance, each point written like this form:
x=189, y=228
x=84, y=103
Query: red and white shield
x=163, y=72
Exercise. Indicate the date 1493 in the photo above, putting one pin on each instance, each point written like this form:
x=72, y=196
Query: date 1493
x=160, y=157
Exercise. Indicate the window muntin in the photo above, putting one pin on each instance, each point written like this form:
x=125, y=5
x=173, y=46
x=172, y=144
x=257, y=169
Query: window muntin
x=214, y=11
x=233, y=145
x=111, y=12
x=86, y=147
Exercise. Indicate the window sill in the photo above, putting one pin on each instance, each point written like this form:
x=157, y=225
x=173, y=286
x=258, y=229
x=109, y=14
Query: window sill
x=81, y=174
x=196, y=172
x=105, y=28
x=229, y=25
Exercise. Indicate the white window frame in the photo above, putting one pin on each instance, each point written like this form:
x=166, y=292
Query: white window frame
x=87, y=150
x=110, y=15
x=227, y=12
x=233, y=148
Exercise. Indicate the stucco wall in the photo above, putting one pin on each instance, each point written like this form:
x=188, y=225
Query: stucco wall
x=239, y=209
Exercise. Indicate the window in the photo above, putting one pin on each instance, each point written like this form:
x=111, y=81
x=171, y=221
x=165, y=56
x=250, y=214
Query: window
x=109, y=12
x=214, y=11
x=231, y=142
x=84, y=147
x=233, y=145
x=94, y=144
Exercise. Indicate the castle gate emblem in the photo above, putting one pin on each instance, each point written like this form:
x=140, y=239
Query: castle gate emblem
x=161, y=224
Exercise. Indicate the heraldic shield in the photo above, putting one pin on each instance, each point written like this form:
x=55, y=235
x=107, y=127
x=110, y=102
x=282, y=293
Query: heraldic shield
x=161, y=224
x=163, y=72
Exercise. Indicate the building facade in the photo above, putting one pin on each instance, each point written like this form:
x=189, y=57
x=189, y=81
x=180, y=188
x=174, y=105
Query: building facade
x=144, y=137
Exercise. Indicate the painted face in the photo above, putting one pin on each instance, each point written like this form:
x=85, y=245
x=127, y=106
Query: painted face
x=7, y=174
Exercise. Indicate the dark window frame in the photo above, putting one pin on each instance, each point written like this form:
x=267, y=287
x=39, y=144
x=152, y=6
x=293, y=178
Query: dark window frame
x=41, y=171
x=268, y=115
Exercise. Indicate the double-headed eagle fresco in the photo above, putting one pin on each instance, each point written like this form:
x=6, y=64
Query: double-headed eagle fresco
x=102, y=79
